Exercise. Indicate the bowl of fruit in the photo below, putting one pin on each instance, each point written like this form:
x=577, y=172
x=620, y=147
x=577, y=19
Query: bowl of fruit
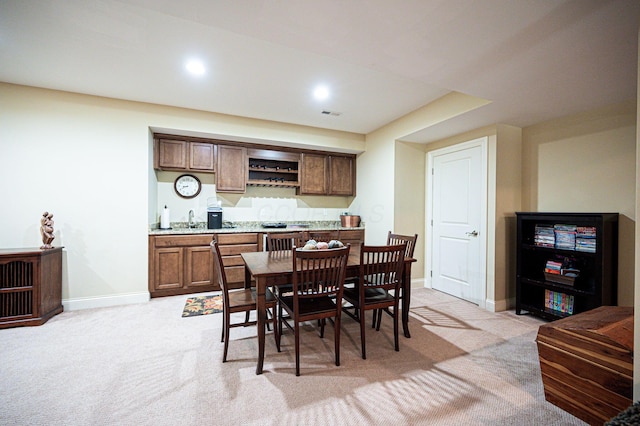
x=322, y=245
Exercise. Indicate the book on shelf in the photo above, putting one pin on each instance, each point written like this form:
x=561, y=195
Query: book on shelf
x=565, y=236
x=561, y=271
x=586, y=238
x=553, y=267
x=558, y=301
x=544, y=236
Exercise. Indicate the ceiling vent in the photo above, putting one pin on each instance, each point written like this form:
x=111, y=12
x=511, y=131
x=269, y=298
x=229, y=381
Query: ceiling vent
x=333, y=113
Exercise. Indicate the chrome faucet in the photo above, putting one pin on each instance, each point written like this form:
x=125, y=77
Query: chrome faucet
x=191, y=222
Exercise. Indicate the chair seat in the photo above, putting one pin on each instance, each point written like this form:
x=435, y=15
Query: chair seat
x=313, y=306
x=371, y=295
x=286, y=288
x=244, y=299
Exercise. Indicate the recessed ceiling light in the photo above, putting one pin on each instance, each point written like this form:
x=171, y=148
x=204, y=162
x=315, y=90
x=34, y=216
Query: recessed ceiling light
x=195, y=67
x=321, y=93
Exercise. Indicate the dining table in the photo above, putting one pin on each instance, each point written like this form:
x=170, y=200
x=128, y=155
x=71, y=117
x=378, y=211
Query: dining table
x=275, y=268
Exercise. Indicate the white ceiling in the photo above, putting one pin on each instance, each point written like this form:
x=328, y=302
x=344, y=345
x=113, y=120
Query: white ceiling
x=533, y=60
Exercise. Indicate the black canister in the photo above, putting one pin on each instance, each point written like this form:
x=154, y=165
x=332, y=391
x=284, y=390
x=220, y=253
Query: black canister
x=214, y=217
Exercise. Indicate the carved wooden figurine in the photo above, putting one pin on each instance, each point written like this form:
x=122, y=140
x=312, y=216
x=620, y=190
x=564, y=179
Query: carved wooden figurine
x=46, y=230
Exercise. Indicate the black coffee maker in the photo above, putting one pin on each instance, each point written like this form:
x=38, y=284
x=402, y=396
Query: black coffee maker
x=214, y=217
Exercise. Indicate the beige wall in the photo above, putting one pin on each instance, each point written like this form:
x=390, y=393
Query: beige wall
x=409, y=198
x=391, y=180
x=87, y=160
x=586, y=163
x=508, y=200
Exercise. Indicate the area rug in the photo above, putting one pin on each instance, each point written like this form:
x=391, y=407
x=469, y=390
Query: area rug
x=202, y=305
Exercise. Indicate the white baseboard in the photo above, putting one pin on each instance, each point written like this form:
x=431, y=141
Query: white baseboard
x=105, y=301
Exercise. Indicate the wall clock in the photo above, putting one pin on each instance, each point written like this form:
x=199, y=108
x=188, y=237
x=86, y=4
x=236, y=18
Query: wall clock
x=187, y=186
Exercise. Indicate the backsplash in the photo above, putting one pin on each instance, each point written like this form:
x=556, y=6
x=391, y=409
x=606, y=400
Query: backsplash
x=252, y=209
x=278, y=210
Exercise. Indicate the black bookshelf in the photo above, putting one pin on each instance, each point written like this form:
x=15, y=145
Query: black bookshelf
x=596, y=262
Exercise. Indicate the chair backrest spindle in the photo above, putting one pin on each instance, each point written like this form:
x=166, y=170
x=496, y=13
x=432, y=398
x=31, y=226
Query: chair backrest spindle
x=319, y=272
x=410, y=240
x=278, y=241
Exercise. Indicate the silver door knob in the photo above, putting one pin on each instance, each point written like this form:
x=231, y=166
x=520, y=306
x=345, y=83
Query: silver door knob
x=472, y=234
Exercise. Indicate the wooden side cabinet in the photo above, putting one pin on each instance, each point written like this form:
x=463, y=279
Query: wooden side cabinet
x=180, y=264
x=30, y=286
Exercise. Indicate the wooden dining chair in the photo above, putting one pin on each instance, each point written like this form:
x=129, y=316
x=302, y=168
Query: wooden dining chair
x=318, y=283
x=240, y=300
x=378, y=286
x=284, y=240
x=279, y=241
x=410, y=240
x=392, y=238
x=322, y=236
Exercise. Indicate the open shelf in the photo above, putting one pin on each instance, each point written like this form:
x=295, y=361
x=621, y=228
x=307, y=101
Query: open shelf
x=267, y=168
x=596, y=281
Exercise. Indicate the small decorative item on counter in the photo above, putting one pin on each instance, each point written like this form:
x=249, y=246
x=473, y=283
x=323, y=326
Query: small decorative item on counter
x=46, y=230
x=314, y=245
x=349, y=220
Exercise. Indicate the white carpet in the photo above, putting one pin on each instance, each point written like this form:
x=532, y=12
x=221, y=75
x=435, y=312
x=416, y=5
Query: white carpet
x=146, y=365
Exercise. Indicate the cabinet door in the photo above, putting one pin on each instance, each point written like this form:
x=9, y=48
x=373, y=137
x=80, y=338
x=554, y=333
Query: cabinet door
x=354, y=237
x=201, y=156
x=172, y=154
x=341, y=176
x=313, y=174
x=198, y=266
x=168, y=268
x=231, y=169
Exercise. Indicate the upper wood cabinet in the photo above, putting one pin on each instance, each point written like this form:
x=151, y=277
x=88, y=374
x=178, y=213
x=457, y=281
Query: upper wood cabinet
x=313, y=175
x=342, y=175
x=202, y=156
x=184, y=155
x=238, y=165
x=327, y=175
x=171, y=154
x=231, y=169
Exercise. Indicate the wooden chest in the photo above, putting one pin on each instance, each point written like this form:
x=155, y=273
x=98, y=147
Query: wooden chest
x=586, y=362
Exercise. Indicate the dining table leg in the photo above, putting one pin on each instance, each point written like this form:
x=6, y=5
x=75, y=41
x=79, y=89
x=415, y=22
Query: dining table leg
x=406, y=298
x=261, y=313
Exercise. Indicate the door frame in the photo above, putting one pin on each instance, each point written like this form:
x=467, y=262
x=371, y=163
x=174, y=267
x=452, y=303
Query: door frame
x=483, y=143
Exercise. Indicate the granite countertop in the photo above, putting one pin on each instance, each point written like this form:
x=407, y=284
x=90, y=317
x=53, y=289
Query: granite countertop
x=182, y=228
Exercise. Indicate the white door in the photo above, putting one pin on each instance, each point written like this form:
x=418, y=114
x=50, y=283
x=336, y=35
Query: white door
x=458, y=212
